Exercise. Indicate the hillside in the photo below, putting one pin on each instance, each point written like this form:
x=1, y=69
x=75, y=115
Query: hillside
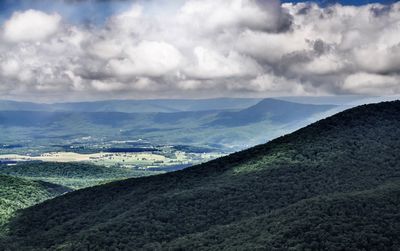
x=72, y=175
x=17, y=193
x=330, y=185
x=362, y=220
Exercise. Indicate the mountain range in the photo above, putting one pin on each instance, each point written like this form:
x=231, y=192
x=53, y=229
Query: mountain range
x=220, y=127
x=132, y=106
x=332, y=185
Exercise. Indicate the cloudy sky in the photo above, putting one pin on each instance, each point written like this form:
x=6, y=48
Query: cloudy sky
x=86, y=50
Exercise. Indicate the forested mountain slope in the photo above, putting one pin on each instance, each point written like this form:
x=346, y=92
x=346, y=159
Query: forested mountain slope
x=71, y=175
x=329, y=186
x=17, y=193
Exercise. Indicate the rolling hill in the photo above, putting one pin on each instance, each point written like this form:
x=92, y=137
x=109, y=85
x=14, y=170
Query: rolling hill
x=17, y=193
x=332, y=185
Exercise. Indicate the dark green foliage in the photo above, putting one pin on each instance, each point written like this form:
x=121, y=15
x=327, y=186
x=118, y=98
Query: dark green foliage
x=73, y=175
x=367, y=220
x=333, y=185
x=195, y=149
x=17, y=193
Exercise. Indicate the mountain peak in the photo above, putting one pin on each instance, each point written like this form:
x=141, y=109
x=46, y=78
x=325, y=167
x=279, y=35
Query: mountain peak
x=275, y=109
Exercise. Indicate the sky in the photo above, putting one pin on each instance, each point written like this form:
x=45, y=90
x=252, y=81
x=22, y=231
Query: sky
x=70, y=50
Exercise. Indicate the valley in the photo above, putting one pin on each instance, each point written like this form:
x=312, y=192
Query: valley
x=199, y=125
x=308, y=190
x=79, y=145
x=161, y=160
x=198, y=195
x=166, y=136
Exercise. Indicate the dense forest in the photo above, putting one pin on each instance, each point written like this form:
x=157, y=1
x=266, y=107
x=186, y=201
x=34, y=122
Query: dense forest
x=72, y=175
x=17, y=193
x=333, y=185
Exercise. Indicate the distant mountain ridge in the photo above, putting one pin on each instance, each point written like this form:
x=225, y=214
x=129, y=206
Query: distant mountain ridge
x=333, y=185
x=133, y=106
x=228, y=128
x=174, y=105
x=274, y=109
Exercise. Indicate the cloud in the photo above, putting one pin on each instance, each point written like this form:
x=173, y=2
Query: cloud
x=368, y=83
x=205, y=48
x=217, y=16
x=378, y=58
x=148, y=58
x=30, y=25
x=10, y=68
x=210, y=64
x=276, y=85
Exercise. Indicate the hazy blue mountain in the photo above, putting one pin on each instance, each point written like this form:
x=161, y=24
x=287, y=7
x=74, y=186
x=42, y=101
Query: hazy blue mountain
x=8, y=105
x=230, y=129
x=134, y=106
x=330, y=100
x=178, y=105
x=275, y=110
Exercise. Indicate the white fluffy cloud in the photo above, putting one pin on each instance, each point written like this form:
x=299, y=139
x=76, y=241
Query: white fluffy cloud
x=204, y=48
x=211, y=64
x=30, y=25
x=148, y=58
x=216, y=16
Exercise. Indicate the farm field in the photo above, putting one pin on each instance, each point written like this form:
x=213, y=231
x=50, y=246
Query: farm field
x=139, y=160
